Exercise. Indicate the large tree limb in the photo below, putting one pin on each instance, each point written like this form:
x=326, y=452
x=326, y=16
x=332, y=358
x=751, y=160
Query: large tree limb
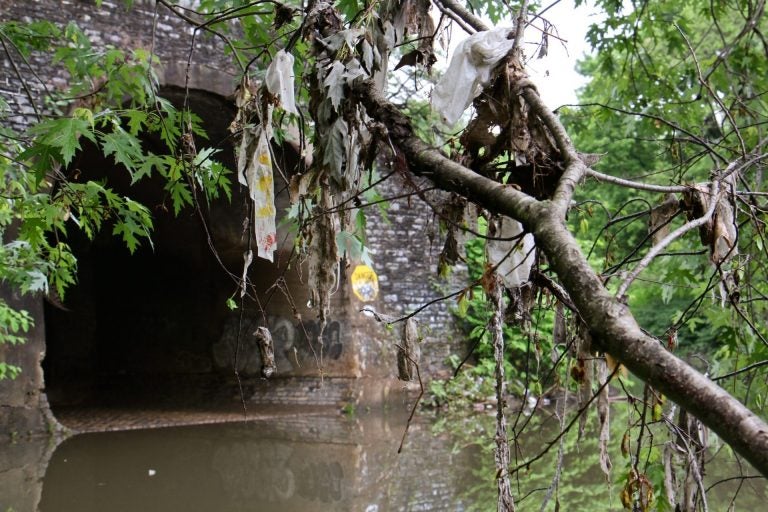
x=463, y=14
x=611, y=324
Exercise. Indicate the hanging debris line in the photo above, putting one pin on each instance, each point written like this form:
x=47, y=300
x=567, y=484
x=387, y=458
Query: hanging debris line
x=267, y=352
x=408, y=352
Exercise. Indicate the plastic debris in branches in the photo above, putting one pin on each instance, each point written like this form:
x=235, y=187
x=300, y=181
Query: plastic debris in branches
x=279, y=80
x=514, y=255
x=254, y=170
x=470, y=69
x=254, y=165
x=365, y=283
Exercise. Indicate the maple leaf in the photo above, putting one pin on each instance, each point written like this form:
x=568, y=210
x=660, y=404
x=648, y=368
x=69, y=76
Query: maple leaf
x=63, y=134
x=124, y=148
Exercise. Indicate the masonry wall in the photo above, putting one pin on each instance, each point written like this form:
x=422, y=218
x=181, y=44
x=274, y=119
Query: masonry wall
x=404, y=249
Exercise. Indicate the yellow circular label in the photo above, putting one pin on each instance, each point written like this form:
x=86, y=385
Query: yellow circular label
x=365, y=283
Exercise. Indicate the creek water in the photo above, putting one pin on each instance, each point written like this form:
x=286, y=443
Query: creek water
x=327, y=462
x=292, y=463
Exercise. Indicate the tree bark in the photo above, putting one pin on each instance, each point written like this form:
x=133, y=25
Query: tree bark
x=611, y=324
x=505, y=502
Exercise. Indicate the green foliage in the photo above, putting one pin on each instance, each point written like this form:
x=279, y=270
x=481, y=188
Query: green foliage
x=110, y=104
x=13, y=325
x=528, y=365
x=666, y=105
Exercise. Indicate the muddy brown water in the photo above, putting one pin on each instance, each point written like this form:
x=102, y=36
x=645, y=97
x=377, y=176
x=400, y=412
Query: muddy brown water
x=276, y=462
x=294, y=460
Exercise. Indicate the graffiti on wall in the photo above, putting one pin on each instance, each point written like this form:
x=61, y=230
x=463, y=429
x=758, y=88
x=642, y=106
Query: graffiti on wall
x=296, y=342
x=300, y=340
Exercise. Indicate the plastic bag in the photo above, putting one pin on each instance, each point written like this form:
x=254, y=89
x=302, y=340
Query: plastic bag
x=279, y=80
x=365, y=283
x=516, y=268
x=469, y=70
x=254, y=170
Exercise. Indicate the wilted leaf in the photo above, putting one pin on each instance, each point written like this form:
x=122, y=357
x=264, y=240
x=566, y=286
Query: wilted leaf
x=660, y=217
x=266, y=351
x=410, y=59
x=335, y=149
x=334, y=82
x=350, y=37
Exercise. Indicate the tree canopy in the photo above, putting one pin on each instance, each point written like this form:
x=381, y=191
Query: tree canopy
x=645, y=202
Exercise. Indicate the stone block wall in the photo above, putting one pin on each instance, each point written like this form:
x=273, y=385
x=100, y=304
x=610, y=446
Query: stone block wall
x=404, y=248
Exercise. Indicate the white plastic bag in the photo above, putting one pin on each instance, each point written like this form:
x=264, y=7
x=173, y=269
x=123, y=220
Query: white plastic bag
x=279, y=80
x=515, y=269
x=254, y=170
x=262, y=188
x=469, y=70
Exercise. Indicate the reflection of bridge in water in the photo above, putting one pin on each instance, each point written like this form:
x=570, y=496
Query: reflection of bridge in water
x=283, y=462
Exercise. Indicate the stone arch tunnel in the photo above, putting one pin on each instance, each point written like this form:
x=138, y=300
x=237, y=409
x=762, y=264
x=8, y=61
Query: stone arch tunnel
x=153, y=327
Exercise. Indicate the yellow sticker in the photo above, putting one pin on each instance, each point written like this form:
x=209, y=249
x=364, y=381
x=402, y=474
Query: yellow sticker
x=365, y=283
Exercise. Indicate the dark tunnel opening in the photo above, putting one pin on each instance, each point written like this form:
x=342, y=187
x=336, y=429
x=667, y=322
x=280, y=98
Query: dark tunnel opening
x=138, y=328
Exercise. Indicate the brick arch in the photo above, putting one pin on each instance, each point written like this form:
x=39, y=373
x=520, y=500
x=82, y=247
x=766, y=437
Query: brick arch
x=197, y=77
x=152, y=327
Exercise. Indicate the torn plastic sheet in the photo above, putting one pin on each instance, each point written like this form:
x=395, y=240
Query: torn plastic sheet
x=254, y=170
x=515, y=268
x=469, y=70
x=279, y=80
x=247, y=260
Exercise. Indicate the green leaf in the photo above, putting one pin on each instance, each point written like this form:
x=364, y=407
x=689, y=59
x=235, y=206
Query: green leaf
x=63, y=134
x=144, y=169
x=124, y=148
x=180, y=195
x=137, y=119
x=130, y=231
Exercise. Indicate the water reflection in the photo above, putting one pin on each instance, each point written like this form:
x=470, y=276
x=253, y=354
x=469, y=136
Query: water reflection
x=321, y=463
x=294, y=464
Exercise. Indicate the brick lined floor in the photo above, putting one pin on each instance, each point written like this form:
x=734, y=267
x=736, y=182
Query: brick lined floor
x=106, y=419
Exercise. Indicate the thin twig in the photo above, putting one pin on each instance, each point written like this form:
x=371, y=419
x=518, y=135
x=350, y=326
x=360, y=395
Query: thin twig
x=24, y=84
x=204, y=26
x=673, y=189
x=520, y=29
x=694, y=138
x=704, y=83
x=554, y=441
x=734, y=373
x=742, y=477
x=418, y=399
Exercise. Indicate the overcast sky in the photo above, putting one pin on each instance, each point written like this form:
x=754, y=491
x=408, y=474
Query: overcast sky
x=559, y=85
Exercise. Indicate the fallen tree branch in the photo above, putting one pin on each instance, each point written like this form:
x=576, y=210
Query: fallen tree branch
x=575, y=168
x=611, y=324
